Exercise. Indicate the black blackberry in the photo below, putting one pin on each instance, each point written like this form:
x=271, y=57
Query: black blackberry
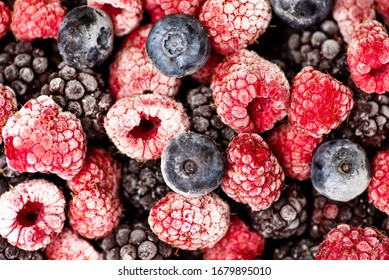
x=82, y=93
x=286, y=217
x=204, y=119
x=300, y=249
x=24, y=68
x=134, y=242
x=9, y=252
x=70, y=4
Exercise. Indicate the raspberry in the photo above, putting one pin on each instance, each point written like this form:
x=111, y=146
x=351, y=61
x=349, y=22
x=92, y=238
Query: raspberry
x=5, y=19
x=382, y=7
x=293, y=149
x=348, y=14
x=251, y=94
x=42, y=138
x=32, y=19
x=32, y=214
x=68, y=245
x=8, y=105
x=368, y=57
x=141, y=126
x=233, y=25
x=126, y=15
x=132, y=73
x=137, y=38
x=190, y=223
x=319, y=102
x=346, y=242
x=205, y=74
x=239, y=243
x=253, y=174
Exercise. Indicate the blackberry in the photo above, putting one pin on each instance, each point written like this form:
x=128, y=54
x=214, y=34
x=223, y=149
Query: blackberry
x=9, y=252
x=204, y=119
x=300, y=249
x=134, y=242
x=285, y=218
x=24, y=68
x=71, y=4
x=83, y=93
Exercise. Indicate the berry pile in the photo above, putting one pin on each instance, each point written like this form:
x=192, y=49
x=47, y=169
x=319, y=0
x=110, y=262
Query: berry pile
x=207, y=129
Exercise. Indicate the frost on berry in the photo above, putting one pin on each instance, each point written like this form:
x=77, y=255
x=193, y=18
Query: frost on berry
x=137, y=38
x=160, y=8
x=8, y=105
x=378, y=189
x=32, y=214
x=5, y=19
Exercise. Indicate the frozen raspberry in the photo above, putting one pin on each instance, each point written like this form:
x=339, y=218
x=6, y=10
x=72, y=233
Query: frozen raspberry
x=99, y=170
x=348, y=14
x=319, y=102
x=233, y=25
x=190, y=223
x=32, y=214
x=253, y=174
x=346, y=242
x=32, y=19
x=141, y=126
x=205, y=74
x=293, y=149
x=94, y=212
x=368, y=57
x=132, y=73
x=251, y=94
x=137, y=38
x=42, y=138
x=126, y=15
x=68, y=245
x=239, y=243
x=8, y=105
x=382, y=7
x=5, y=19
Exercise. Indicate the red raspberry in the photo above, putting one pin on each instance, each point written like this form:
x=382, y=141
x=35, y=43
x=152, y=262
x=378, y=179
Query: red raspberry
x=205, y=74
x=125, y=14
x=293, y=149
x=68, y=245
x=378, y=189
x=253, y=175
x=5, y=19
x=32, y=19
x=141, y=126
x=190, y=223
x=137, y=38
x=346, y=242
x=132, y=73
x=100, y=171
x=382, y=7
x=368, y=57
x=32, y=214
x=42, y=138
x=348, y=14
x=319, y=102
x=8, y=105
x=251, y=94
x=239, y=243
x=94, y=212
x=233, y=25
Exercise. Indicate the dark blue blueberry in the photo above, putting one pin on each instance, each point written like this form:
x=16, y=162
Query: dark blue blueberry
x=85, y=37
x=340, y=170
x=192, y=164
x=301, y=13
x=178, y=45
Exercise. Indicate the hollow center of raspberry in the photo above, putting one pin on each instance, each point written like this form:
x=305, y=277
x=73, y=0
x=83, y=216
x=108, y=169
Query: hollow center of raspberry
x=29, y=214
x=256, y=108
x=147, y=128
x=174, y=44
x=189, y=167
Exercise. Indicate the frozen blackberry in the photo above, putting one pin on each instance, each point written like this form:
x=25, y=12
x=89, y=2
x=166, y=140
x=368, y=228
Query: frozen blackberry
x=24, y=68
x=300, y=249
x=83, y=93
x=286, y=217
x=134, y=242
x=204, y=119
x=9, y=252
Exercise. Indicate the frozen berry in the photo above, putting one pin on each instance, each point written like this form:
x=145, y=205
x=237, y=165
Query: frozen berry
x=382, y=7
x=5, y=19
x=192, y=164
x=85, y=37
x=340, y=170
x=378, y=188
x=8, y=105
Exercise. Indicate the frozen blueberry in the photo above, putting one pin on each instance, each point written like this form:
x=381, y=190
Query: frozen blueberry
x=340, y=170
x=178, y=45
x=301, y=13
x=85, y=37
x=192, y=164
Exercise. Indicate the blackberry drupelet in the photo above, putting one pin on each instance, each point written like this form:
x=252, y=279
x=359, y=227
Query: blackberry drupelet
x=134, y=242
x=300, y=249
x=9, y=252
x=24, y=68
x=204, y=119
x=286, y=217
x=83, y=93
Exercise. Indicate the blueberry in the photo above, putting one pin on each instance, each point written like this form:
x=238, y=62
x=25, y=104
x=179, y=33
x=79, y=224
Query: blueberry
x=340, y=170
x=85, y=37
x=301, y=13
x=178, y=45
x=192, y=164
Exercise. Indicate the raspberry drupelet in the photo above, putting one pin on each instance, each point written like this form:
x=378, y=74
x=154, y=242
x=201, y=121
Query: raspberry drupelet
x=8, y=105
x=137, y=38
x=5, y=19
